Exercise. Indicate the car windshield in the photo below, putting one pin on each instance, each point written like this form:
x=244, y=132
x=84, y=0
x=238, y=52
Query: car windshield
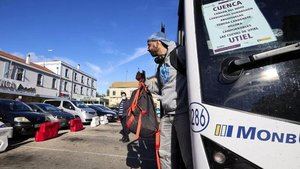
x=48, y=107
x=18, y=106
x=96, y=107
x=236, y=30
x=79, y=104
x=104, y=108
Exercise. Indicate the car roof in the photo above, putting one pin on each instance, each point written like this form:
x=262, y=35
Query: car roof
x=9, y=100
x=38, y=103
x=57, y=99
x=32, y=103
x=62, y=99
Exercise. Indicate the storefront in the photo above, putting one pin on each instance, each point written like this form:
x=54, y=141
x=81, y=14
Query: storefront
x=12, y=90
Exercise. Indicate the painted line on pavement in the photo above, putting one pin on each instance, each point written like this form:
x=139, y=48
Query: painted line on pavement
x=94, y=135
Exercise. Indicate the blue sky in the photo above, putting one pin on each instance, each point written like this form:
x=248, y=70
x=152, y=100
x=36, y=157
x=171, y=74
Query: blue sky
x=107, y=38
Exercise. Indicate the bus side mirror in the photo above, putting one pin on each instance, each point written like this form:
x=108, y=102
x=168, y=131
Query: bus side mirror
x=229, y=71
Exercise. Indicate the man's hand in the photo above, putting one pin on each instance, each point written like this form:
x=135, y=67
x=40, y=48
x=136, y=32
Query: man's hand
x=140, y=76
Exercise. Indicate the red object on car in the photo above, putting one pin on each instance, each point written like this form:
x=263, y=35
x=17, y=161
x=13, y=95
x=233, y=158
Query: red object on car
x=75, y=125
x=47, y=131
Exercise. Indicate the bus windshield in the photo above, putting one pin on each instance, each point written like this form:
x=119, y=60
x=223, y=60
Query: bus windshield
x=236, y=29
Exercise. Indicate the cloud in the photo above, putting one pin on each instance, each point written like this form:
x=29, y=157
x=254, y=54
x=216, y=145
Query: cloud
x=38, y=58
x=18, y=54
x=138, y=53
x=33, y=56
x=99, y=73
x=67, y=60
x=113, y=24
x=108, y=47
x=94, y=68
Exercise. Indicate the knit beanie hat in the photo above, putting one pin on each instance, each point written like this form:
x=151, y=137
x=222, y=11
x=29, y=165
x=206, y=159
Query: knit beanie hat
x=161, y=37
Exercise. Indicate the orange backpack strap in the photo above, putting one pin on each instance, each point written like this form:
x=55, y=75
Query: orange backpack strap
x=134, y=103
x=157, y=145
x=138, y=129
x=132, y=107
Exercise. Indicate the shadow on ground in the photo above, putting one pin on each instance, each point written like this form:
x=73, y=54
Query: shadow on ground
x=141, y=154
x=20, y=140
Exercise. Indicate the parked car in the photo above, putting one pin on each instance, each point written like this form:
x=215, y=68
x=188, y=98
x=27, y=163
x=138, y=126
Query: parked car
x=76, y=108
x=115, y=109
x=111, y=115
x=58, y=114
x=20, y=116
x=5, y=133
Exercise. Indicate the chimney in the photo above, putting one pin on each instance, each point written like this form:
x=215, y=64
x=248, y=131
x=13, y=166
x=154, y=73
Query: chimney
x=28, y=59
x=78, y=66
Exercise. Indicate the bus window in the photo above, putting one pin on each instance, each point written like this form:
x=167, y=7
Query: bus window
x=269, y=87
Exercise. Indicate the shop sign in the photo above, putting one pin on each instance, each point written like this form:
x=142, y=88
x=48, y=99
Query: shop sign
x=7, y=85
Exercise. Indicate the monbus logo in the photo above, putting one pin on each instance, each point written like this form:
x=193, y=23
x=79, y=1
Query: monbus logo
x=253, y=133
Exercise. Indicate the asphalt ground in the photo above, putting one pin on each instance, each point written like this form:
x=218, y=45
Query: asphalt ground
x=97, y=147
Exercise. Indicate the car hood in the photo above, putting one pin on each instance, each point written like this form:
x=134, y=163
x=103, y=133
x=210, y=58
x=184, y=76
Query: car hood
x=62, y=114
x=31, y=116
x=111, y=112
x=107, y=112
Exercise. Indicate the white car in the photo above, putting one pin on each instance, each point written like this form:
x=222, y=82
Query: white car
x=77, y=108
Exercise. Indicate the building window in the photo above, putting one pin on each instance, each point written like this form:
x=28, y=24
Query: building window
x=74, y=90
x=88, y=81
x=40, y=80
x=75, y=76
x=65, y=86
x=20, y=74
x=54, y=83
x=93, y=83
x=81, y=79
x=92, y=93
x=81, y=90
x=66, y=73
x=6, y=70
x=114, y=93
x=87, y=92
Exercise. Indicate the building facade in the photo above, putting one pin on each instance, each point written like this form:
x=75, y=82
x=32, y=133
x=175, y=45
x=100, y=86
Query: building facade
x=74, y=83
x=20, y=78
x=114, y=93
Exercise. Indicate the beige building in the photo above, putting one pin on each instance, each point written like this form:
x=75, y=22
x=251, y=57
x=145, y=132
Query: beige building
x=114, y=92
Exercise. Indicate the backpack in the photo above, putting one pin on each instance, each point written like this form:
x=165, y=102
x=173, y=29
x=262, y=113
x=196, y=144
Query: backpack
x=141, y=116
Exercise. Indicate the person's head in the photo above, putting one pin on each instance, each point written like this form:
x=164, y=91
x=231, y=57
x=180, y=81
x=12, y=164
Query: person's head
x=123, y=95
x=158, y=44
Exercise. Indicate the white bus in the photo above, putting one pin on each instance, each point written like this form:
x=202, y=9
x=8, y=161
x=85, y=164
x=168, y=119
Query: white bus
x=243, y=71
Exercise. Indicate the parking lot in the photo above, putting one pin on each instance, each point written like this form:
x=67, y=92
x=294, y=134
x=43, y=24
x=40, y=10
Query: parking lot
x=97, y=147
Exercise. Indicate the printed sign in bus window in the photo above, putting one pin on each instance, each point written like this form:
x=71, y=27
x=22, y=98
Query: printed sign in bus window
x=235, y=24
